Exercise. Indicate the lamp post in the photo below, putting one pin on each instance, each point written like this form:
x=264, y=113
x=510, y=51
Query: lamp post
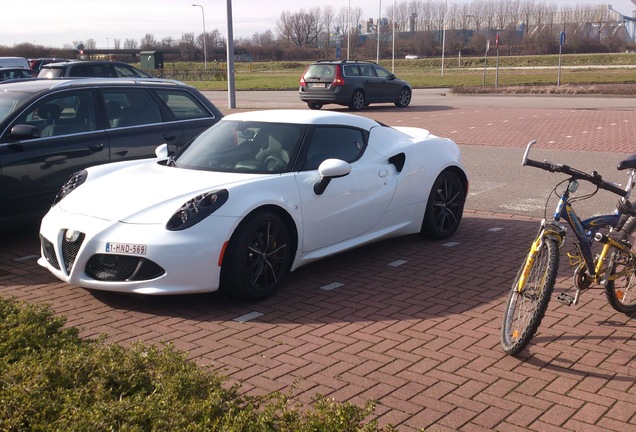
x=205, y=50
x=231, y=96
x=444, y=36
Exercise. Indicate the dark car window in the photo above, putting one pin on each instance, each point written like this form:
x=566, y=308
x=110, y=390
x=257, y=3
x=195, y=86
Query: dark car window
x=351, y=70
x=81, y=70
x=328, y=142
x=122, y=71
x=367, y=70
x=381, y=72
x=130, y=107
x=62, y=115
x=183, y=104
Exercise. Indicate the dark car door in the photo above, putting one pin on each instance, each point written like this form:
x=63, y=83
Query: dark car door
x=63, y=139
x=142, y=119
x=389, y=87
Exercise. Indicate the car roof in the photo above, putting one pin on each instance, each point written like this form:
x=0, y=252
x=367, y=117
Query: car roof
x=343, y=62
x=84, y=62
x=37, y=85
x=305, y=117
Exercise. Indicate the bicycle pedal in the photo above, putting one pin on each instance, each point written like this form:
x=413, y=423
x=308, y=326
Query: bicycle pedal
x=566, y=299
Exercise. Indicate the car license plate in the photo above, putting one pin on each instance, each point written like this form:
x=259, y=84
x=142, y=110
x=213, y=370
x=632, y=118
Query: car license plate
x=319, y=85
x=126, y=248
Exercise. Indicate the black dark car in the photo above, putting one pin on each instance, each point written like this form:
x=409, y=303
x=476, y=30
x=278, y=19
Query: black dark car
x=91, y=69
x=50, y=129
x=355, y=84
x=37, y=63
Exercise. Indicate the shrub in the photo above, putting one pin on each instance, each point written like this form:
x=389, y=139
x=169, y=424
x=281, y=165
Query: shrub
x=52, y=380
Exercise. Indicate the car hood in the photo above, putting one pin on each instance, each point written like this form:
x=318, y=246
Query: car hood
x=146, y=193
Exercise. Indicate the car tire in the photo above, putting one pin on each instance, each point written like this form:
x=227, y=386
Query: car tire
x=357, y=101
x=445, y=206
x=405, y=98
x=257, y=258
x=314, y=105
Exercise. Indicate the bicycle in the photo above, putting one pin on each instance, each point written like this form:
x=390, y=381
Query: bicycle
x=613, y=268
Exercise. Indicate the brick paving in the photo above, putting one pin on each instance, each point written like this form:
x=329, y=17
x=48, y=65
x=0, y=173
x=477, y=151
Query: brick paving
x=411, y=323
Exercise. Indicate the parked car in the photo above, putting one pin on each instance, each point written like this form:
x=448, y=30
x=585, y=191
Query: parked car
x=257, y=195
x=16, y=73
x=97, y=68
x=355, y=84
x=50, y=129
x=36, y=64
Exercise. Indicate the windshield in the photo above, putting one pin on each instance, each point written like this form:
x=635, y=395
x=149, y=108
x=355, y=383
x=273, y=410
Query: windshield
x=244, y=146
x=10, y=101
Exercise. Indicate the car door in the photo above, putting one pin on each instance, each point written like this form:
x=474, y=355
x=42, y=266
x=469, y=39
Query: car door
x=136, y=125
x=187, y=112
x=388, y=88
x=351, y=205
x=64, y=139
x=372, y=83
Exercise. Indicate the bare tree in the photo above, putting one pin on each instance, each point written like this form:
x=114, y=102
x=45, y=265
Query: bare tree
x=148, y=42
x=130, y=44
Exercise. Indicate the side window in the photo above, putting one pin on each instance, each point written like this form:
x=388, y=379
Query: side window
x=334, y=142
x=130, y=107
x=351, y=70
x=382, y=73
x=124, y=72
x=183, y=105
x=62, y=115
x=367, y=70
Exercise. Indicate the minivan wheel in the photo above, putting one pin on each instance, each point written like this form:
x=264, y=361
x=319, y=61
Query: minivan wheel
x=405, y=98
x=314, y=105
x=357, y=101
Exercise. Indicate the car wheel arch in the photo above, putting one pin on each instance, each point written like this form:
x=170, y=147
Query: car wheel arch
x=280, y=212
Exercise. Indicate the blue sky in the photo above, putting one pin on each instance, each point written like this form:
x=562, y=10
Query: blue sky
x=61, y=22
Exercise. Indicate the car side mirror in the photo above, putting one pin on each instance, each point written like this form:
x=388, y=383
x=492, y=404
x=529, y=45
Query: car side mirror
x=24, y=131
x=392, y=76
x=162, y=151
x=330, y=169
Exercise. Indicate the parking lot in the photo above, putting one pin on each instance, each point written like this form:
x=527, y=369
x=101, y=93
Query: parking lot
x=411, y=323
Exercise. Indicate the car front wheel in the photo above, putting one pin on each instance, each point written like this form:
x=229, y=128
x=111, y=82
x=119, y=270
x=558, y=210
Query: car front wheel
x=314, y=105
x=257, y=258
x=405, y=98
x=357, y=101
x=445, y=206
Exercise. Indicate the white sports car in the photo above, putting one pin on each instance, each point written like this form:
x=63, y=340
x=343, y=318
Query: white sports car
x=252, y=198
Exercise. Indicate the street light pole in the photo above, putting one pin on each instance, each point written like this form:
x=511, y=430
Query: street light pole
x=205, y=49
x=231, y=97
x=444, y=36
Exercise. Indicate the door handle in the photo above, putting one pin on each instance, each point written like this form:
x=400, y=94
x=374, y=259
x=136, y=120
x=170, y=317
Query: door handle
x=96, y=147
x=169, y=137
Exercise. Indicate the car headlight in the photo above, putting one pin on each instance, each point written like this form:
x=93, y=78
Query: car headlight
x=197, y=209
x=71, y=184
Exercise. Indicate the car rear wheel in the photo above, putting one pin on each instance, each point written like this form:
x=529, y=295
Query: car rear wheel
x=357, y=101
x=314, y=105
x=257, y=258
x=405, y=98
x=445, y=206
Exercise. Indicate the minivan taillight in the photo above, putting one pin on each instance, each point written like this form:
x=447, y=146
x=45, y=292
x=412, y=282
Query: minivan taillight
x=338, y=80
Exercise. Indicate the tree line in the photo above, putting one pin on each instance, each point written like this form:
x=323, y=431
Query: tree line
x=421, y=27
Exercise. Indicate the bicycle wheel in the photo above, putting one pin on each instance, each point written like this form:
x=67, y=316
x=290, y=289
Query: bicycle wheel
x=525, y=309
x=621, y=292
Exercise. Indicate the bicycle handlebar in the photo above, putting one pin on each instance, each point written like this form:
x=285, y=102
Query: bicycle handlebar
x=594, y=178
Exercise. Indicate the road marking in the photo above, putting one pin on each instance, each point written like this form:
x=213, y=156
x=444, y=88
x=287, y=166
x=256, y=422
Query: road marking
x=331, y=286
x=397, y=263
x=28, y=257
x=451, y=244
x=248, y=317
x=495, y=229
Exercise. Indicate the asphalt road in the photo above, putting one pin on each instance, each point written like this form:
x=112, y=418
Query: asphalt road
x=585, y=132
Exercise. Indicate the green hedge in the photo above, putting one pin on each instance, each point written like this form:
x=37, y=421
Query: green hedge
x=53, y=380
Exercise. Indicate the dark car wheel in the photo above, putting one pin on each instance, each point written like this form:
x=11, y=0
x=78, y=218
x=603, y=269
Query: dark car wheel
x=405, y=98
x=357, y=101
x=257, y=258
x=445, y=206
x=314, y=105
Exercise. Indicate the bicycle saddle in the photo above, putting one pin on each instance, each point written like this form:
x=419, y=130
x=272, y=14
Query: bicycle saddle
x=628, y=163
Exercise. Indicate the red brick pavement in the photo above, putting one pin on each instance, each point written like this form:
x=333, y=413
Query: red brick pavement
x=411, y=323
